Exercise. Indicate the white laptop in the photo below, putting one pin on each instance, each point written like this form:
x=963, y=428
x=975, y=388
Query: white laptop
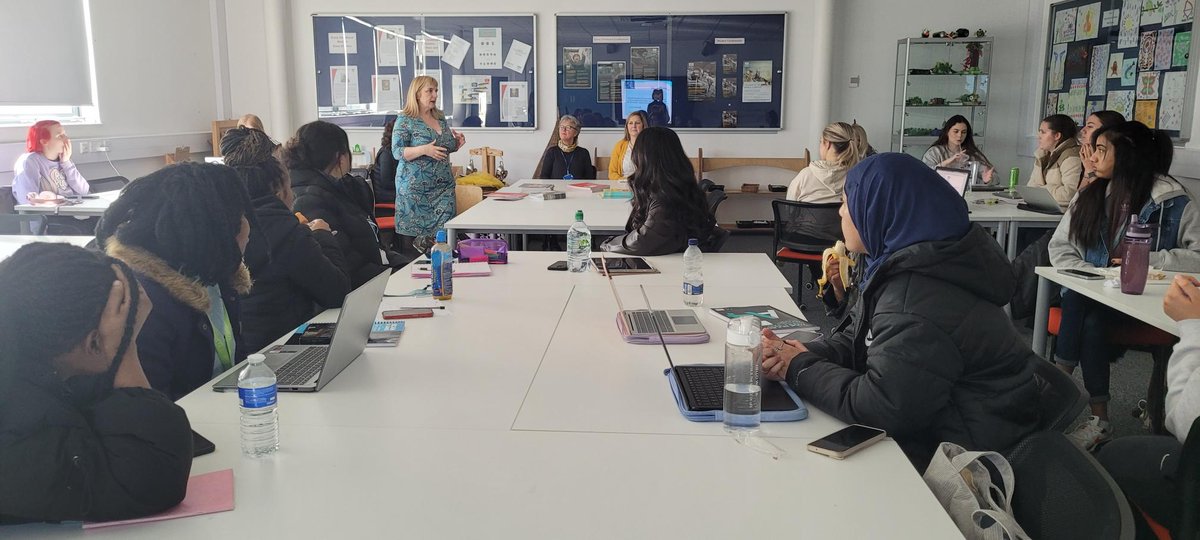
x=641, y=322
x=957, y=178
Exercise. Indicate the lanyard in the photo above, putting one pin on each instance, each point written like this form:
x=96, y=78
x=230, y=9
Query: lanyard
x=567, y=160
x=221, y=340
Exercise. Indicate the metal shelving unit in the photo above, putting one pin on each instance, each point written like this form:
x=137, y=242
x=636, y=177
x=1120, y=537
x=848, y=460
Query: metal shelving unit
x=923, y=99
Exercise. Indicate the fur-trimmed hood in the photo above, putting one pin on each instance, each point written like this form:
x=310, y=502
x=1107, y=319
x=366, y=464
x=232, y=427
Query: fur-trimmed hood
x=187, y=290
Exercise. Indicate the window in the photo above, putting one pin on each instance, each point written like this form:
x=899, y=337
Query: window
x=57, y=83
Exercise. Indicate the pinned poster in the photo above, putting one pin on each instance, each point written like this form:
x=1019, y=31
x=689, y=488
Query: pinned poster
x=388, y=96
x=1131, y=13
x=1129, y=72
x=1064, y=25
x=1096, y=75
x=1146, y=50
x=518, y=54
x=456, y=51
x=1164, y=48
x=702, y=81
x=729, y=119
x=1115, y=61
x=1170, y=12
x=1147, y=86
x=390, y=50
x=343, y=43
x=729, y=87
x=1093, y=105
x=610, y=80
x=1170, y=115
x=1087, y=22
x=1152, y=12
x=1182, y=49
x=729, y=64
x=1058, y=63
x=1121, y=101
x=1076, y=99
x=488, y=45
x=344, y=85
x=514, y=101
x=471, y=89
x=1111, y=18
x=1146, y=112
x=577, y=67
x=429, y=45
x=757, y=77
x=1051, y=103
x=643, y=63
x=1187, y=11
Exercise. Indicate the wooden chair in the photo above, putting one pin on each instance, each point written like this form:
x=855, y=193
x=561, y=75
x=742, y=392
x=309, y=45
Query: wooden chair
x=465, y=197
x=602, y=163
x=219, y=128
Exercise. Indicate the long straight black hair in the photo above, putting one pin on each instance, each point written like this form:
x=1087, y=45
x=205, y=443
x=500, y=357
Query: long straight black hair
x=665, y=175
x=1140, y=155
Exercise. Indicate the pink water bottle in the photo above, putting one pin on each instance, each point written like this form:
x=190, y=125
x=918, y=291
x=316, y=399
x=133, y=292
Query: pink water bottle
x=1135, y=262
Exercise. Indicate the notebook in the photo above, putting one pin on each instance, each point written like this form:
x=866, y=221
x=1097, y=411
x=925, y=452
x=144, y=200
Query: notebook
x=770, y=317
x=423, y=269
x=206, y=494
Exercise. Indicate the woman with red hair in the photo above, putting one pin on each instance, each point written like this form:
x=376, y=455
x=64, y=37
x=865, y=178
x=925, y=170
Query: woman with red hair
x=46, y=164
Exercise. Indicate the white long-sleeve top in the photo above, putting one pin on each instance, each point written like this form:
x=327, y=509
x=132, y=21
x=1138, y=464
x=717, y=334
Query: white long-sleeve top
x=1183, y=380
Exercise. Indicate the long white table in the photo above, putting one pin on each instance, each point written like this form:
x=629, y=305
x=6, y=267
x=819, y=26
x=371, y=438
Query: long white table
x=91, y=207
x=1006, y=218
x=535, y=216
x=1146, y=307
x=519, y=412
x=9, y=244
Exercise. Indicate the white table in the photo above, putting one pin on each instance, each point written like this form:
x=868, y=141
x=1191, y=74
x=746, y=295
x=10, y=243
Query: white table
x=519, y=412
x=987, y=209
x=1146, y=307
x=535, y=216
x=9, y=244
x=86, y=208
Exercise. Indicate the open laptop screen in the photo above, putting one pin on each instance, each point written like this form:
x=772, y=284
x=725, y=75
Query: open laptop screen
x=956, y=177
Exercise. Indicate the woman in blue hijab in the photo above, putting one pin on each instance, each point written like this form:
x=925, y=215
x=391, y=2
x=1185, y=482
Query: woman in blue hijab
x=928, y=354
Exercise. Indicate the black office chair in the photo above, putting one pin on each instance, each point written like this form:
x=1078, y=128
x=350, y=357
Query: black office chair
x=707, y=185
x=716, y=240
x=111, y=183
x=1060, y=401
x=1063, y=493
x=714, y=198
x=803, y=231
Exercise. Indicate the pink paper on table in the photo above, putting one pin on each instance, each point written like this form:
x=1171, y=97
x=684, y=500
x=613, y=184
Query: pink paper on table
x=206, y=494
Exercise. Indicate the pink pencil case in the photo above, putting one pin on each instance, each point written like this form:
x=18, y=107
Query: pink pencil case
x=492, y=250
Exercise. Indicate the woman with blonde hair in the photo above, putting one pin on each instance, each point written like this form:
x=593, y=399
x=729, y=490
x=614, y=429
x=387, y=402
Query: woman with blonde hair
x=822, y=182
x=564, y=158
x=422, y=142
x=621, y=166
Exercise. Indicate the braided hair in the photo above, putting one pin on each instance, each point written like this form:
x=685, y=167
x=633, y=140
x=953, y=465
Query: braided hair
x=188, y=214
x=316, y=145
x=34, y=328
x=252, y=154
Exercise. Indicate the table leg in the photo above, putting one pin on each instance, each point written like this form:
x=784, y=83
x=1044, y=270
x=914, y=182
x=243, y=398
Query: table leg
x=1041, y=316
x=1002, y=235
x=1013, y=227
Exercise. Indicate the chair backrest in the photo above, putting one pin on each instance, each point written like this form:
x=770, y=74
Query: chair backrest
x=1060, y=399
x=466, y=197
x=602, y=163
x=7, y=202
x=1188, y=476
x=1062, y=492
x=707, y=185
x=112, y=183
x=717, y=240
x=806, y=227
x=714, y=199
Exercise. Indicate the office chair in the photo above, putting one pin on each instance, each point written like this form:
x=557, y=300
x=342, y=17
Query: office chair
x=803, y=231
x=1060, y=401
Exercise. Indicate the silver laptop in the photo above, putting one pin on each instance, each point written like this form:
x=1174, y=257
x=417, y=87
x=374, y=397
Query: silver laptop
x=308, y=368
x=640, y=322
x=957, y=178
x=1037, y=199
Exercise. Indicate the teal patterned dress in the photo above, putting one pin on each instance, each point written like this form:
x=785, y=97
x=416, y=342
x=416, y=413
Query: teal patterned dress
x=424, y=186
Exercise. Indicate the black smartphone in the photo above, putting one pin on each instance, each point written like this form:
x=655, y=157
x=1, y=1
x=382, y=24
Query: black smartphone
x=558, y=266
x=842, y=443
x=1081, y=274
x=201, y=446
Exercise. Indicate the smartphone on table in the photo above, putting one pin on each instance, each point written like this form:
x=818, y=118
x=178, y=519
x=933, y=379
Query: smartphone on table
x=845, y=442
x=407, y=313
x=559, y=266
x=1081, y=274
x=201, y=445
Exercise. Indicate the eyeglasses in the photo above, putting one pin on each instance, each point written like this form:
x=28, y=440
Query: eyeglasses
x=567, y=127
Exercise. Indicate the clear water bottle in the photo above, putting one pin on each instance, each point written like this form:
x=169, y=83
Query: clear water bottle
x=260, y=421
x=693, y=274
x=442, y=268
x=579, y=245
x=743, y=374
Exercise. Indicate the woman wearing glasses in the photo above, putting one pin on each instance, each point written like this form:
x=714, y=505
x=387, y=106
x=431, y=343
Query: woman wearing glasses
x=564, y=158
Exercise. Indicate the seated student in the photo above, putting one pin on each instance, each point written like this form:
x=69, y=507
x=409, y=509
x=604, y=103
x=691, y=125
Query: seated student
x=183, y=229
x=383, y=173
x=46, y=164
x=620, y=166
x=955, y=147
x=930, y=355
x=821, y=181
x=251, y=121
x=564, y=158
x=1056, y=164
x=1093, y=122
x=317, y=158
x=668, y=206
x=1131, y=163
x=1146, y=468
x=298, y=269
x=82, y=435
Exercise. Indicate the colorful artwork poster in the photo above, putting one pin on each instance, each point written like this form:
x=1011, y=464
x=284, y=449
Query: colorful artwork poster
x=1058, y=60
x=1087, y=22
x=1093, y=105
x=610, y=79
x=1064, y=25
x=1076, y=99
x=577, y=67
x=1062, y=104
x=1146, y=112
x=1182, y=49
x=1096, y=76
x=1131, y=14
x=1147, y=86
x=729, y=87
x=729, y=64
x=1146, y=51
x=1079, y=61
x=1170, y=114
x=1129, y=72
x=1170, y=12
x=1121, y=101
x=1114, y=66
x=1152, y=12
x=702, y=81
x=643, y=63
x=1187, y=11
x=1051, y=103
x=1163, y=49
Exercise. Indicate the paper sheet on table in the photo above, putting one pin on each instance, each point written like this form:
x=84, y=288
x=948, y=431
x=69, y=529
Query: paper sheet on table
x=461, y=269
x=389, y=46
x=488, y=48
x=518, y=54
x=456, y=51
x=344, y=82
x=206, y=494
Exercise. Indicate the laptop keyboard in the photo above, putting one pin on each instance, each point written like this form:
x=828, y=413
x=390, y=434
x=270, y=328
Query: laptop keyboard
x=704, y=386
x=302, y=367
x=642, y=324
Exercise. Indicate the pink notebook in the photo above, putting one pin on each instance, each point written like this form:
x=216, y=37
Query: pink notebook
x=206, y=494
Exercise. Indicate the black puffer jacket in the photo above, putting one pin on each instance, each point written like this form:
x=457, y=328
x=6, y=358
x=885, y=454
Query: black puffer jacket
x=127, y=454
x=930, y=355
x=319, y=196
x=297, y=273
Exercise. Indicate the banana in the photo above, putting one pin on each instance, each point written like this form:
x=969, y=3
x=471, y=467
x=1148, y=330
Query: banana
x=838, y=253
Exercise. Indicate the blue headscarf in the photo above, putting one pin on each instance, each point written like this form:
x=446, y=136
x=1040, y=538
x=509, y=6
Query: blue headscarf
x=896, y=201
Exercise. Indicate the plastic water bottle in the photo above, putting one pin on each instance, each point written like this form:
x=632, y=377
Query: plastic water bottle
x=442, y=269
x=693, y=274
x=260, y=421
x=1135, y=264
x=743, y=374
x=579, y=245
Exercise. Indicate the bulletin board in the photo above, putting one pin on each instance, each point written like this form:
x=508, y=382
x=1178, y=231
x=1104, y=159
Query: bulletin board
x=1129, y=56
x=714, y=70
x=484, y=65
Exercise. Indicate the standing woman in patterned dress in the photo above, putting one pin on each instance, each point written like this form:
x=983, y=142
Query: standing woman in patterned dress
x=422, y=143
